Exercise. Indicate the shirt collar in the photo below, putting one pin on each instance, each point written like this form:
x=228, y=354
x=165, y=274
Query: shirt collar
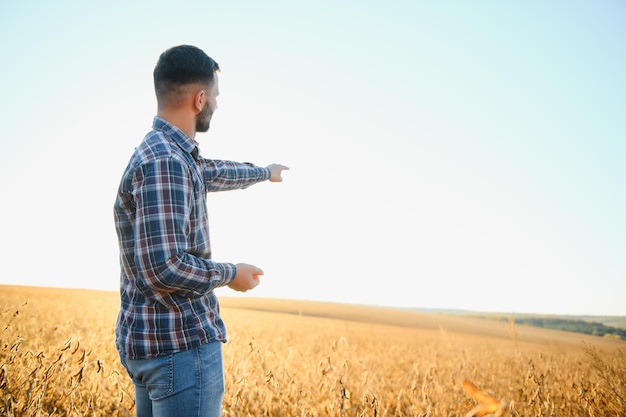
x=186, y=143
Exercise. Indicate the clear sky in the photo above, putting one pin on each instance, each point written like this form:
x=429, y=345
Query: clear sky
x=443, y=154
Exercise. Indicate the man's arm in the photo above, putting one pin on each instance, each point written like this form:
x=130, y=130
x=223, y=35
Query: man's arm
x=228, y=175
x=162, y=191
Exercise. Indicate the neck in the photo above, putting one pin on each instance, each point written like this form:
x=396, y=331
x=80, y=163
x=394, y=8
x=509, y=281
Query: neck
x=181, y=120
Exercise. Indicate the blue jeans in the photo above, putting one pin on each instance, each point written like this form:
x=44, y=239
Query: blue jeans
x=183, y=384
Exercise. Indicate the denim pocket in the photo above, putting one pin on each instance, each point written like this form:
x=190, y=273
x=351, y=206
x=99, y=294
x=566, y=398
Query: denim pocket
x=157, y=375
x=161, y=381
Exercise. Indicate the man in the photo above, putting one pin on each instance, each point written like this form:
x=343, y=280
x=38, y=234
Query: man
x=169, y=331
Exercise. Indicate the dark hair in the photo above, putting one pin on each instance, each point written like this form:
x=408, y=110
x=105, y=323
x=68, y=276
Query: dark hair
x=181, y=65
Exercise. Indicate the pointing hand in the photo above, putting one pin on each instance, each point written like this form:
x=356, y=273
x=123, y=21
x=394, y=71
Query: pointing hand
x=277, y=170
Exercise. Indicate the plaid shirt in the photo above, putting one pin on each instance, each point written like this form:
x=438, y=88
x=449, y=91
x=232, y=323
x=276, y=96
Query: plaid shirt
x=167, y=275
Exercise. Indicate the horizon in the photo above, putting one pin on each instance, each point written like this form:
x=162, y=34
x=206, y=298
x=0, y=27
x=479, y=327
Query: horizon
x=439, y=310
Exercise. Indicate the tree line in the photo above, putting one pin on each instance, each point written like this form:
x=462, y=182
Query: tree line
x=573, y=325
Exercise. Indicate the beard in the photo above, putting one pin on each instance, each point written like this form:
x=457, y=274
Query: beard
x=203, y=119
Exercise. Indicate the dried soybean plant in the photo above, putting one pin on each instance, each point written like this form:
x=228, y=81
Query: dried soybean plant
x=56, y=358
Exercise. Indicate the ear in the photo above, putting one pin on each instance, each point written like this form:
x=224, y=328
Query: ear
x=199, y=100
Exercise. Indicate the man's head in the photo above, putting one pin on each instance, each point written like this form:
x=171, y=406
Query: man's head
x=186, y=76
